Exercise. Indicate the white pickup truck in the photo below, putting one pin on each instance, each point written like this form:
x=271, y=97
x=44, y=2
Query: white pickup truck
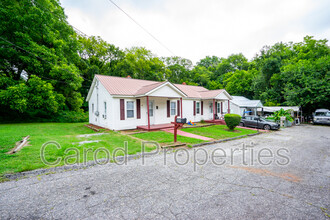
x=321, y=116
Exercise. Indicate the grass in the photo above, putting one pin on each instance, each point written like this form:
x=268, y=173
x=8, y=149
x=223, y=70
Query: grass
x=165, y=137
x=219, y=131
x=66, y=135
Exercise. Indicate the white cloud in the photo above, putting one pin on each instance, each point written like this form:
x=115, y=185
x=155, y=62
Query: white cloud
x=194, y=29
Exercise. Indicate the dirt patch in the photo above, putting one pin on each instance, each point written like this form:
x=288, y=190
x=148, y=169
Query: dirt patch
x=286, y=176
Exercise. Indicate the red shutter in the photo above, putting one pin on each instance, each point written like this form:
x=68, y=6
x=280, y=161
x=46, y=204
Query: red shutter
x=202, y=107
x=138, y=108
x=194, y=107
x=221, y=108
x=122, y=109
x=168, y=109
x=178, y=104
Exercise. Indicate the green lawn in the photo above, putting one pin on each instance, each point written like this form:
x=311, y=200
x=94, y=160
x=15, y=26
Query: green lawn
x=218, y=131
x=165, y=137
x=63, y=133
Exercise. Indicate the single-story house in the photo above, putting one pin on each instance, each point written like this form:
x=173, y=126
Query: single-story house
x=121, y=103
x=243, y=106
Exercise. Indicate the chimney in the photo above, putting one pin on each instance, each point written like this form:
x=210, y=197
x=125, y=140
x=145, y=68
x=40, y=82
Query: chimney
x=184, y=83
x=129, y=77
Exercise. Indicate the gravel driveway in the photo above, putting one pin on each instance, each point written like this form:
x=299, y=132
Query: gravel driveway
x=199, y=183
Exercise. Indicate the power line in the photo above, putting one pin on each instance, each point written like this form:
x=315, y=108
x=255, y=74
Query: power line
x=44, y=61
x=142, y=27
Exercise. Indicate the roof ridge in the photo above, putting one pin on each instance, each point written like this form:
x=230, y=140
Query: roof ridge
x=121, y=77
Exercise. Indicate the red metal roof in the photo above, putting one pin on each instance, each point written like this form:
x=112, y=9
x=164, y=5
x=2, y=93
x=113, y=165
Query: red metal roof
x=131, y=87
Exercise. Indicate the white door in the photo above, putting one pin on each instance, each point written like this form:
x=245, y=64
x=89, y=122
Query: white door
x=211, y=110
x=152, y=112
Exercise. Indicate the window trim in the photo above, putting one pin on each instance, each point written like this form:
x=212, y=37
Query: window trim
x=127, y=109
x=174, y=102
x=198, y=108
x=218, y=107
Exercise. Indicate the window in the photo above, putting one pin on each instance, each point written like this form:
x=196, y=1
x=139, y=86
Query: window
x=105, y=109
x=173, y=108
x=130, y=109
x=197, y=107
x=211, y=107
x=93, y=108
x=218, y=107
x=151, y=108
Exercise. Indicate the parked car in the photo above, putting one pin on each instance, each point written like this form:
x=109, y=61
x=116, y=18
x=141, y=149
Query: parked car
x=258, y=122
x=321, y=116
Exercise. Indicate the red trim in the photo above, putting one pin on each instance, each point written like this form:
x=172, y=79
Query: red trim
x=178, y=106
x=213, y=109
x=168, y=109
x=181, y=107
x=122, y=109
x=148, y=113
x=194, y=107
x=138, y=108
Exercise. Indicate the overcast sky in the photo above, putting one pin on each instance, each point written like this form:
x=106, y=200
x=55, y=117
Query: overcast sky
x=194, y=29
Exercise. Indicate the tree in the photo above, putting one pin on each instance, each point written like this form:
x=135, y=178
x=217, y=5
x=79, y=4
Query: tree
x=36, y=40
x=239, y=82
x=179, y=69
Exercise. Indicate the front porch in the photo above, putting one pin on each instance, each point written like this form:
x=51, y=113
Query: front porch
x=155, y=127
x=216, y=121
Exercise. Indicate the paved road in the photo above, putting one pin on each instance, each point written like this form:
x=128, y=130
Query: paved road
x=298, y=190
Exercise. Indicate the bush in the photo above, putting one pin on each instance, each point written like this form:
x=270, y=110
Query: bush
x=71, y=116
x=232, y=120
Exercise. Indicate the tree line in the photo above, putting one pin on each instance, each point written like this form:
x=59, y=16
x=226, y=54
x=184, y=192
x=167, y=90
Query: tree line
x=46, y=67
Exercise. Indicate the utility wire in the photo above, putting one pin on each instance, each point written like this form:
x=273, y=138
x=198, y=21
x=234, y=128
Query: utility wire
x=142, y=27
x=44, y=61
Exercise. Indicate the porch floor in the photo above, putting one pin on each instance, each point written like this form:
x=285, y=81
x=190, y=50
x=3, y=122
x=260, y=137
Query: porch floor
x=155, y=127
x=216, y=121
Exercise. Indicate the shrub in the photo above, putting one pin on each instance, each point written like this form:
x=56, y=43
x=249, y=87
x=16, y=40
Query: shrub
x=232, y=120
x=71, y=116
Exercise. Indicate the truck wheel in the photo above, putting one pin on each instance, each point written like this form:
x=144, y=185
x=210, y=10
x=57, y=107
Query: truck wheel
x=241, y=124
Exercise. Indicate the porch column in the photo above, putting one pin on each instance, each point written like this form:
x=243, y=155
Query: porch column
x=181, y=107
x=148, y=113
x=213, y=109
x=228, y=107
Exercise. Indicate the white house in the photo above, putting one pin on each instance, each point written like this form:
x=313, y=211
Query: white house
x=123, y=103
x=244, y=106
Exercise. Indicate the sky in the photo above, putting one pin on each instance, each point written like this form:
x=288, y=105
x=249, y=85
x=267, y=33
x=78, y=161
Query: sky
x=194, y=29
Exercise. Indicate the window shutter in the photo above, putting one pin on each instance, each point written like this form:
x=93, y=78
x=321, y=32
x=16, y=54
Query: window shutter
x=168, y=109
x=221, y=108
x=194, y=107
x=202, y=107
x=216, y=107
x=178, y=104
x=138, y=108
x=122, y=109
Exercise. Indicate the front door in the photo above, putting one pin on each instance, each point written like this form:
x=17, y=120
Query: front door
x=211, y=110
x=152, y=112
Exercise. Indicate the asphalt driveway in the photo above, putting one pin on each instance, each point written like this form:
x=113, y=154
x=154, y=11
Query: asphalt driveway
x=278, y=175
